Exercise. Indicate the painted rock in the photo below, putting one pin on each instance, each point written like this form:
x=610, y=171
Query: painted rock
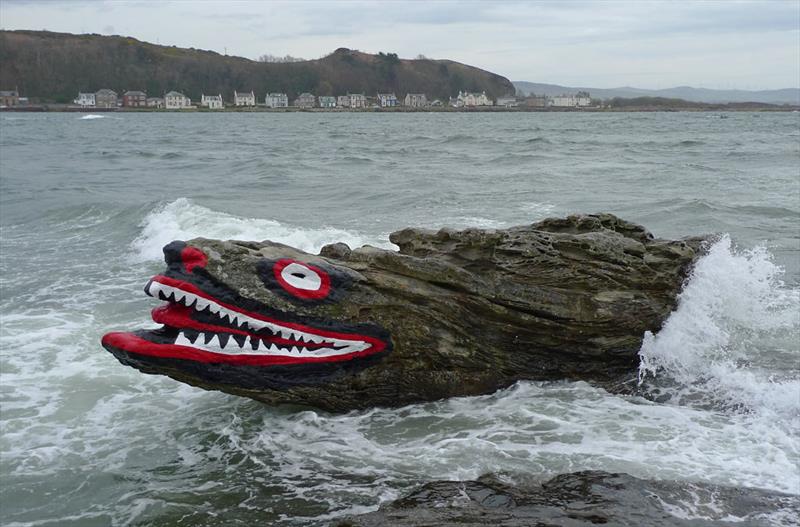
x=452, y=313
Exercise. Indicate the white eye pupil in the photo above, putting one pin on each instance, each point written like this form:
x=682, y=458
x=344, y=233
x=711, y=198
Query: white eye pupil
x=301, y=277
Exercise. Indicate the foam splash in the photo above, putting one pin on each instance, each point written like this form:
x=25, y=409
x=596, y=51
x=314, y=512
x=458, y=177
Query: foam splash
x=91, y=117
x=182, y=220
x=736, y=325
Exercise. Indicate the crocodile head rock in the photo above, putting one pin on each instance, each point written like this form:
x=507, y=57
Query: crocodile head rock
x=452, y=313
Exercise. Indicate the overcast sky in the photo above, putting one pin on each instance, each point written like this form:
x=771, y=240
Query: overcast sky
x=647, y=44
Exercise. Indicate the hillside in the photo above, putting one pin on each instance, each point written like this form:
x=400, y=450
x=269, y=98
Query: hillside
x=56, y=66
x=687, y=93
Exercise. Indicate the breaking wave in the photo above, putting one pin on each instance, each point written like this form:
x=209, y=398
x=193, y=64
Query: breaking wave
x=182, y=220
x=736, y=325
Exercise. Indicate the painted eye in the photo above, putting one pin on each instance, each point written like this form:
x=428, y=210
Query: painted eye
x=302, y=280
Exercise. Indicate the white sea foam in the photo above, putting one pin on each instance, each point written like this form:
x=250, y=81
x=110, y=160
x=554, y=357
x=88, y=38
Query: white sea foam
x=182, y=220
x=736, y=324
x=91, y=117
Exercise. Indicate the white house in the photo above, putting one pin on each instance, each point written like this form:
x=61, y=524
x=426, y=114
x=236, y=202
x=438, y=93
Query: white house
x=343, y=101
x=276, y=100
x=582, y=99
x=176, y=101
x=472, y=99
x=387, y=100
x=508, y=102
x=244, y=99
x=85, y=99
x=212, y=102
x=358, y=100
x=326, y=101
x=416, y=100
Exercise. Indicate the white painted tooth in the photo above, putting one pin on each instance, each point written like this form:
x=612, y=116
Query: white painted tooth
x=235, y=320
x=214, y=343
x=255, y=324
x=315, y=339
x=223, y=316
x=274, y=350
x=202, y=303
x=179, y=295
x=295, y=350
x=182, y=340
x=214, y=307
x=285, y=333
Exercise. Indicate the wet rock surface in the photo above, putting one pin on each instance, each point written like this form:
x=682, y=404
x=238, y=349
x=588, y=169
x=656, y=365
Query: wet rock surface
x=581, y=499
x=468, y=311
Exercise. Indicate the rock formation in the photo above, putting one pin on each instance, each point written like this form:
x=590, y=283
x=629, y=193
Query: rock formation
x=452, y=313
x=580, y=499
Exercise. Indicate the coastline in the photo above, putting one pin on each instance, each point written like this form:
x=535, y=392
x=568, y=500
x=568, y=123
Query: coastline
x=736, y=107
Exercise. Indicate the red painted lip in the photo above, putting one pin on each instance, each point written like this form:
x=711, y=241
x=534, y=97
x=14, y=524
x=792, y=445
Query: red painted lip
x=177, y=316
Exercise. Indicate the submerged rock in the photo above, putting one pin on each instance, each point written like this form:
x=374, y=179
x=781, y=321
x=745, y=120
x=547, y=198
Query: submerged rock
x=581, y=499
x=452, y=313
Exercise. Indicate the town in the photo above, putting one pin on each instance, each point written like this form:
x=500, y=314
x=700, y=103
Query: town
x=108, y=99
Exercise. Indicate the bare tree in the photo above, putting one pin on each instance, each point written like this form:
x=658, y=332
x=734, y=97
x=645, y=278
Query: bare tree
x=274, y=58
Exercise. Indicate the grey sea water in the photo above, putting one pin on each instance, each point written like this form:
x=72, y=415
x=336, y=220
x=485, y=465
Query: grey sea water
x=87, y=203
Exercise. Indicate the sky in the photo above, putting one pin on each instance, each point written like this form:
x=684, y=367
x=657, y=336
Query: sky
x=730, y=44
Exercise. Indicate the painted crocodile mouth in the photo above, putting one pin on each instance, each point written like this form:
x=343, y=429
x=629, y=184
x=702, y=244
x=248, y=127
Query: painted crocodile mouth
x=201, y=327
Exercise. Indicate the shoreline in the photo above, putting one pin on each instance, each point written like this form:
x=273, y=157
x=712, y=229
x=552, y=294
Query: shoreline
x=739, y=107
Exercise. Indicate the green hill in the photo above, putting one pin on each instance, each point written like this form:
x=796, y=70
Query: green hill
x=56, y=66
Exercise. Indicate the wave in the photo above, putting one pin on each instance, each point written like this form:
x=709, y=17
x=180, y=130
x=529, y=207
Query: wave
x=732, y=341
x=91, y=117
x=182, y=220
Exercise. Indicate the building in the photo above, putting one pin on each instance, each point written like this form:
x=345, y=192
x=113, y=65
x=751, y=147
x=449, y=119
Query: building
x=471, y=100
x=387, y=100
x=85, y=100
x=134, y=99
x=508, y=102
x=155, y=102
x=358, y=100
x=305, y=100
x=105, y=98
x=212, y=102
x=276, y=100
x=536, y=102
x=581, y=99
x=9, y=98
x=244, y=99
x=176, y=101
x=416, y=100
x=326, y=101
x=343, y=101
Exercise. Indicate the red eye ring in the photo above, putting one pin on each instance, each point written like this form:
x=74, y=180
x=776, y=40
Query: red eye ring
x=193, y=257
x=301, y=279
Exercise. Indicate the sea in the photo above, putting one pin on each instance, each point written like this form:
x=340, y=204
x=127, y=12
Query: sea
x=87, y=202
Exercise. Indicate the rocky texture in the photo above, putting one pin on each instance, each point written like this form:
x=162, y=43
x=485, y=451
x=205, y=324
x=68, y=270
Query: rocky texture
x=470, y=311
x=581, y=499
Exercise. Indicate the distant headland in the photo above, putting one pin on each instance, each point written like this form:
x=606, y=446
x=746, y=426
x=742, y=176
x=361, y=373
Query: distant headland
x=47, y=71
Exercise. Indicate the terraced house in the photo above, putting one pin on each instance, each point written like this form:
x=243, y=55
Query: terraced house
x=387, y=100
x=244, y=99
x=176, y=101
x=416, y=100
x=276, y=100
x=305, y=100
x=105, y=98
x=212, y=102
x=134, y=99
x=326, y=101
